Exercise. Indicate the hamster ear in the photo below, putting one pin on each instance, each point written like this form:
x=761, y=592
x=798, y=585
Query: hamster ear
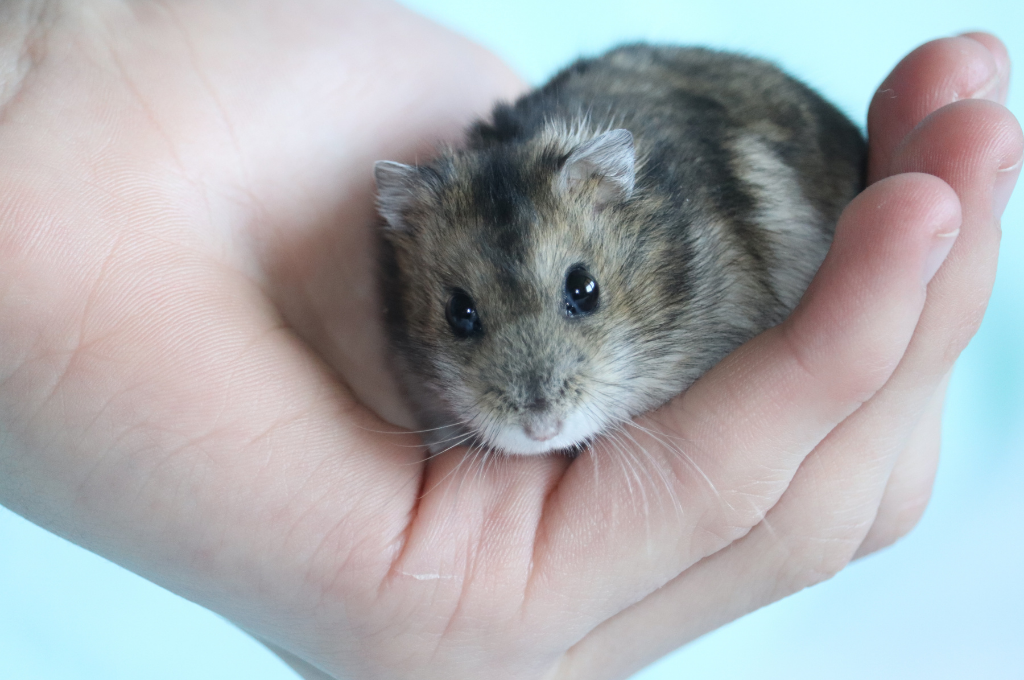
x=396, y=190
x=609, y=157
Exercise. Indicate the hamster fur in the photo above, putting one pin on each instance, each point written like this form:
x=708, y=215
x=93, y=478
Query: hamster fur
x=599, y=244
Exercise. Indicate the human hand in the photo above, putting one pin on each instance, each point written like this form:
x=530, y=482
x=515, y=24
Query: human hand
x=172, y=171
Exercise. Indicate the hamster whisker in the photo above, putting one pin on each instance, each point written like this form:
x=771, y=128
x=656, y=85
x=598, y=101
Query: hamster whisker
x=621, y=460
x=421, y=445
x=629, y=461
x=627, y=455
x=459, y=436
x=478, y=466
x=619, y=431
x=424, y=431
x=478, y=454
x=658, y=466
x=455, y=469
x=677, y=450
x=461, y=441
x=597, y=472
x=594, y=410
x=635, y=449
x=609, y=442
x=487, y=458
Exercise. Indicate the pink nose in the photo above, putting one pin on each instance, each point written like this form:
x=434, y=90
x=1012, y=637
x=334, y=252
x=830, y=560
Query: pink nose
x=542, y=428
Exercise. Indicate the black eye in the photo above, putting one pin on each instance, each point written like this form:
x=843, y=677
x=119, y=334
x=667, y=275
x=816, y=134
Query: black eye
x=462, y=316
x=580, y=292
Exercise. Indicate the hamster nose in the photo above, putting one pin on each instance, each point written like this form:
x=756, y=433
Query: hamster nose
x=542, y=428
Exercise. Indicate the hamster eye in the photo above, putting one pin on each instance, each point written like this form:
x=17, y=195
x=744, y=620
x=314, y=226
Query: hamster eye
x=462, y=316
x=581, y=292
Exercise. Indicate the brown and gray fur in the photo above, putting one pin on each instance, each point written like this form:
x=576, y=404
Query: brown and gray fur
x=702, y=225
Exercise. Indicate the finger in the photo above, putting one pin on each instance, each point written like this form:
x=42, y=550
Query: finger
x=909, y=487
x=748, y=424
x=802, y=543
x=975, y=146
x=995, y=139
x=978, y=140
x=937, y=73
x=808, y=536
x=1002, y=58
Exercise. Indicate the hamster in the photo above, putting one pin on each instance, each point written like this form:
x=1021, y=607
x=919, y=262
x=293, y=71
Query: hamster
x=596, y=246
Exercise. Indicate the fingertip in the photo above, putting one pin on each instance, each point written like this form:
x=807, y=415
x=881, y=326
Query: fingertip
x=1012, y=141
x=960, y=140
x=852, y=326
x=992, y=43
x=1006, y=180
x=941, y=71
x=934, y=200
x=933, y=75
x=882, y=252
x=1000, y=56
x=914, y=201
x=900, y=225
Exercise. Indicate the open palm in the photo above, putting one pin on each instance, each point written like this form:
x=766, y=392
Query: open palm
x=189, y=329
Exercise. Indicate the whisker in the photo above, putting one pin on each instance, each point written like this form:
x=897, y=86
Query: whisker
x=659, y=469
x=635, y=464
x=425, y=431
x=464, y=438
x=677, y=449
x=450, y=472
x=630, y=461
x=642, y=458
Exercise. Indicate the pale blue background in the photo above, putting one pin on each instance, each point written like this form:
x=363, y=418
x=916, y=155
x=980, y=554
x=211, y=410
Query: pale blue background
x=946, y=602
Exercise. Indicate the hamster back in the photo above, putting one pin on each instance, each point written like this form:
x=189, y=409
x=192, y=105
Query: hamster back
x=599, y=244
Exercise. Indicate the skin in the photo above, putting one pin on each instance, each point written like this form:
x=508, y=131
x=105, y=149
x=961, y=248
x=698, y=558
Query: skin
x=173, y=175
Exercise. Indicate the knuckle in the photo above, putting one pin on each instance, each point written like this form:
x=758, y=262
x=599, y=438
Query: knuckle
x=963, y=328
x=897, y=517
x=903, y=520
x=853, y=374
x=862, y=377
x=816, y=559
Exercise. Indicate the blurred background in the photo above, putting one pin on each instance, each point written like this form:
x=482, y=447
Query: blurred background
x=946, y=602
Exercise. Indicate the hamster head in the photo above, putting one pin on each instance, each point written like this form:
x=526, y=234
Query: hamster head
x=512, y=293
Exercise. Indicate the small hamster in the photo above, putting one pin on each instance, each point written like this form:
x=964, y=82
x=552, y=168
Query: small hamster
x=596, y=246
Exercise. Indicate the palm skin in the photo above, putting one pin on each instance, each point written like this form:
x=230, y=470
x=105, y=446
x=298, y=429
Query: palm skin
x=188, y=331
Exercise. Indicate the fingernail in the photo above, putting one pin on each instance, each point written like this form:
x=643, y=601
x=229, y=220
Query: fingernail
x=941, y=245
x=1006, y=179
